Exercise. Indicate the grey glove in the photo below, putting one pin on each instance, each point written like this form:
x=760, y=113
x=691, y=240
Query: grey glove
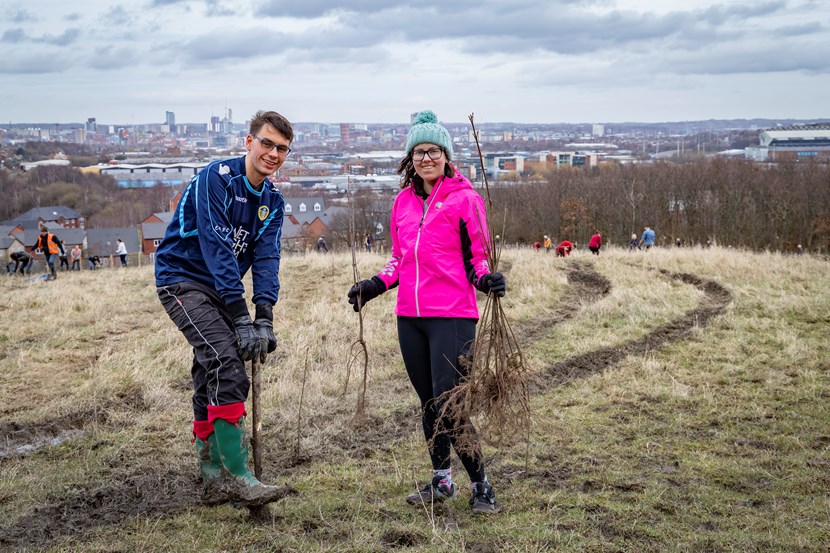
x=492, y=283
x=265, y=330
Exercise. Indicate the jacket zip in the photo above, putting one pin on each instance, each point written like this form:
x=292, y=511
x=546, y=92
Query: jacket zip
x=434, y=194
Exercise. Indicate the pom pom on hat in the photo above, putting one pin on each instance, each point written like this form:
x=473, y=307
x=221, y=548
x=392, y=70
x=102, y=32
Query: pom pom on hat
x=425, y=129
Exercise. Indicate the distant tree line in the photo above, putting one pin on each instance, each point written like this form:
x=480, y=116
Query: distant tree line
x=725, y=201
x=94, y=196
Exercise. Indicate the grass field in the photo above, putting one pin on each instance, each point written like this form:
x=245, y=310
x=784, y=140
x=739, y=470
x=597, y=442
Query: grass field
x=681, y=402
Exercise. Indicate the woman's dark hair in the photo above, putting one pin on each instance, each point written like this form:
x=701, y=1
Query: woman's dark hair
x=406, y=169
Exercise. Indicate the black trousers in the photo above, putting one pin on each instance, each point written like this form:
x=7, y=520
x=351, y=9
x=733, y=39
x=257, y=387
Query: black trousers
x=431, y=348
x=218, y=373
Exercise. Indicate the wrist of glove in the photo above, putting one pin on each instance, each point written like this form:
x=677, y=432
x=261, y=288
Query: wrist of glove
x=364, y=291
x=264, y=311
x=267, y=340
x=494, y=283
x=247, y=337
x=265, y=329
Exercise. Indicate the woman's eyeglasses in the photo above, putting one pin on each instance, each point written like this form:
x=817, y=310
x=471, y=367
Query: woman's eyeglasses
x=268, y=145
x=433, y=153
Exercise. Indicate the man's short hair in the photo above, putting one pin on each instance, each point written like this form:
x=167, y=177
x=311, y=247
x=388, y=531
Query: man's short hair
x=280, y=123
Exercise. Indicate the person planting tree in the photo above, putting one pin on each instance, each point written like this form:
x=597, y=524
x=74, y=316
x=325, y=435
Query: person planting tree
x=228, y=221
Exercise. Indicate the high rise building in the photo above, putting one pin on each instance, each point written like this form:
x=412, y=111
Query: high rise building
x=170, y=119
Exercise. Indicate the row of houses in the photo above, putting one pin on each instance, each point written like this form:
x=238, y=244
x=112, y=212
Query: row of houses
x=21, y=233
x=306, y=219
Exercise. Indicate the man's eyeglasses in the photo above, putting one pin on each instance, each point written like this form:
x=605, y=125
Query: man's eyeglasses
x=268, y=145
x=433, y=153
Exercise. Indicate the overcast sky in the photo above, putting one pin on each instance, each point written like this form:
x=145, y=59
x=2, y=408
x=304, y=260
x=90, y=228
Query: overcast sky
x=375, y=61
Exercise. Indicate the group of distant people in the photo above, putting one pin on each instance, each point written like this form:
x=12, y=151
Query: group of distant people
x=565, y=247
x=53, y=247
x=646, y=241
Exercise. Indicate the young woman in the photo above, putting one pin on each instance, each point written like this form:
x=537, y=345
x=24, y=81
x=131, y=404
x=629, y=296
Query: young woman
x=439, y=258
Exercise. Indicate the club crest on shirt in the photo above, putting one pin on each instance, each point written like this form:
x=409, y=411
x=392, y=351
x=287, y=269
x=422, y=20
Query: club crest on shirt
x=262, y=212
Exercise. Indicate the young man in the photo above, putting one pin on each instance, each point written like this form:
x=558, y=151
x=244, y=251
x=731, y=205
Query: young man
x=228, y=221
x=49, y=244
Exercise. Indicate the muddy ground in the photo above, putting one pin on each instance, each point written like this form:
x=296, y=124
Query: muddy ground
x=139, y=489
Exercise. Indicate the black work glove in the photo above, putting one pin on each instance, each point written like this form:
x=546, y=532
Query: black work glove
x=364, y=291
x=492, y=283
x=247, y=337
x=265, y=330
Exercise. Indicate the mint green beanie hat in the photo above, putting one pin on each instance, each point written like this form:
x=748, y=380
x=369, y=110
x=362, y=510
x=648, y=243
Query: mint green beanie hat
x=425, y=128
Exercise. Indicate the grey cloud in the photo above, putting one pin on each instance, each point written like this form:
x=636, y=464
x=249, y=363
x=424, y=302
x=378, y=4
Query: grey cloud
x=113, y=58
x=310, y=9
x=72, y=16
x=68, y=37
x=19, y=35
x=118, y=15
x=14, y=36
x=217, y=8
x=213, y=8
x=32, y=64
x=772, y=59
x=523, y=26
x=719, y=14
x=799, y=30
x=22, y=16
x=355, y=56
x=238, y=43
x=319, y=45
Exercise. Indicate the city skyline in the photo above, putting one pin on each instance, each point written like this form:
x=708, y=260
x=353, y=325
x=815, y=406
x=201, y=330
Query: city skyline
x=564, y=61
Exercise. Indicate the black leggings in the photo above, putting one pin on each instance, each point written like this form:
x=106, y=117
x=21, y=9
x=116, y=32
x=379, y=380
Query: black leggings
x=431, y=348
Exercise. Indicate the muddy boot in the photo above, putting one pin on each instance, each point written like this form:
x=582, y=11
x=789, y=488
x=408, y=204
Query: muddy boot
x=240, y=483
x=210, y=470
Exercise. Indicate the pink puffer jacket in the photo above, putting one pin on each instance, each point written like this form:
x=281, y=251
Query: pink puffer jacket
x=438, y=250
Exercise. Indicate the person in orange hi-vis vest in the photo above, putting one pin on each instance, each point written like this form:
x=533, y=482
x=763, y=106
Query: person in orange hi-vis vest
x=49, y=244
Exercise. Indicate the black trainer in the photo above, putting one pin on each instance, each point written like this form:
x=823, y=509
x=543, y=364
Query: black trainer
x=483, y=499
x=434, y=492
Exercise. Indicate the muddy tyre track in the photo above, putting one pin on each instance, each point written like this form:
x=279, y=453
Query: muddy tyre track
x=715, y=300
x=149, y=491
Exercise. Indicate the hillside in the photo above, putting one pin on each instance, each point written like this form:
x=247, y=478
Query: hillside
x=680, y=403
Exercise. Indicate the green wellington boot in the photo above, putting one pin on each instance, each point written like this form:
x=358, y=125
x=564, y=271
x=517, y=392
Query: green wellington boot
x=240, y=483
x=210, y=470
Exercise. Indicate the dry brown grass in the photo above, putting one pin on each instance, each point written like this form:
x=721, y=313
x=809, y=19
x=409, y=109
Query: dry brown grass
x=713, y=441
